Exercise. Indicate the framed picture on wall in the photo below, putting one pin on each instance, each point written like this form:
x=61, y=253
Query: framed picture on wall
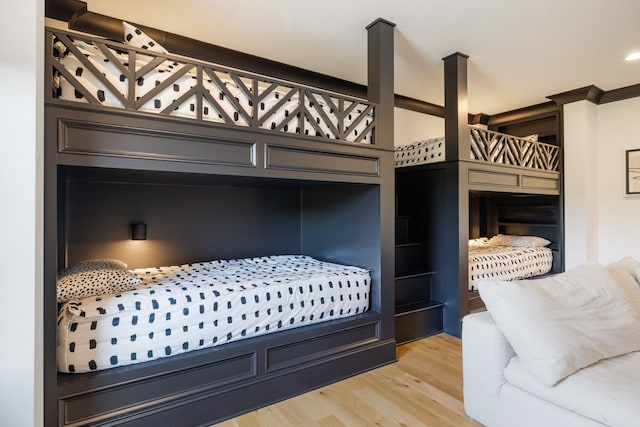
x=633, y=171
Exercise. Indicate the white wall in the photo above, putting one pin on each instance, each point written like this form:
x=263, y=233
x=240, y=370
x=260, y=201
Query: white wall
x=580, y=181
x=21, y=63
x=618, y=212
x=601, y=221
x=410, y=126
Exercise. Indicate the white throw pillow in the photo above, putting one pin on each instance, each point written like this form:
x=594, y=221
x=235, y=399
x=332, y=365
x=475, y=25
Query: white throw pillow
x=134, y=36
x=625, y=271
x=560, y=324
x=518, y=241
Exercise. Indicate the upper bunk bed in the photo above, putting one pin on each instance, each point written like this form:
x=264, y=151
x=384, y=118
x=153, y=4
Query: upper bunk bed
x=479, y=184
x=497, y=161
x=252, y=186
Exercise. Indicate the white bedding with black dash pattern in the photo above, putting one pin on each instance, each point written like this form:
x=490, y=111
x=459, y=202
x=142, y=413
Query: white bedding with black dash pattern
x=420, y=152
x=182, y=308
x=507, y=263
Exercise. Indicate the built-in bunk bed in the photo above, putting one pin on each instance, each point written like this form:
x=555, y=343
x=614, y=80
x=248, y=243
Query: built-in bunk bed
x=215, y=240
x=478, y=203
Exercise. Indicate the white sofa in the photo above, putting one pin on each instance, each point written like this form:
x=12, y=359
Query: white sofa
x=559, y=351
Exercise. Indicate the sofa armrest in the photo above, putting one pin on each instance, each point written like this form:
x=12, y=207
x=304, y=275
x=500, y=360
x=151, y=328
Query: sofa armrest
x=485, y=354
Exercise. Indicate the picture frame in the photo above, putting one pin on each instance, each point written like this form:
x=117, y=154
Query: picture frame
x=633, y=171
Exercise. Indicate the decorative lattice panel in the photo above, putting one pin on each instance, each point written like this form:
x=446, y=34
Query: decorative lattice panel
x=104, y=73
x=495, y=147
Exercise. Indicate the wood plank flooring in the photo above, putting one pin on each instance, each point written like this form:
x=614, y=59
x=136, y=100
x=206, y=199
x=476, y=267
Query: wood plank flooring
x=424, y=388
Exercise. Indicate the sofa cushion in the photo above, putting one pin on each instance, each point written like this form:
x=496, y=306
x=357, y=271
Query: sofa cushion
x=606, y=392
x=560, y=324
x=623, y=271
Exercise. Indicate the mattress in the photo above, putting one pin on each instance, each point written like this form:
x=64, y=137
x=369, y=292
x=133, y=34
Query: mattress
x=188, y=307
x=170, y=87
x=507, y=263
x=420, y=152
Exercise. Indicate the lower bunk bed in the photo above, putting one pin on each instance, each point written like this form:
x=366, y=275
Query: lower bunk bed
x=507, y=257
x=163, y=311
x=197, y=343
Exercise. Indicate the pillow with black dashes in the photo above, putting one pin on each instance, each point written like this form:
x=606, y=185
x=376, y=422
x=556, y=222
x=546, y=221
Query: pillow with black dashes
x=94, y=264
x=107, y=281
x=134, y=36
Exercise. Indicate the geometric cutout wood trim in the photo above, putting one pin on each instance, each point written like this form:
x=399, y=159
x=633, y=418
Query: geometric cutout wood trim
x=496, y=147
x=103, y=73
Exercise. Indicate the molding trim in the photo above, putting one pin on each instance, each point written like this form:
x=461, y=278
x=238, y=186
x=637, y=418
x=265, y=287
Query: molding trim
x=596, y=95
x=588, y=93
x=544, y=109
x=620, y=94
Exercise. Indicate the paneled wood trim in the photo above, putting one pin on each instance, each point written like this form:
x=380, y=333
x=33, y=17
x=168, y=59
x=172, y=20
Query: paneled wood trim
x=102, y=404
x=292, y=158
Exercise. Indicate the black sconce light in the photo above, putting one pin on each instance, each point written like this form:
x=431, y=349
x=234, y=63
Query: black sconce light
x=139, y=231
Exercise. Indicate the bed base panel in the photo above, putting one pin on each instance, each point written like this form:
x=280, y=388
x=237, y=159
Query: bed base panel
x=480, y=176
x=124, y=141
x=241, y=400
x=210, y=385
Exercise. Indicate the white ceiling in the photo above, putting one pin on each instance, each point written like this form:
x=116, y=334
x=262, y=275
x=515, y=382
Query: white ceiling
x=519, y=51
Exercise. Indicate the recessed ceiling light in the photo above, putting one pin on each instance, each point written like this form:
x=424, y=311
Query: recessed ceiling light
x=633, y=57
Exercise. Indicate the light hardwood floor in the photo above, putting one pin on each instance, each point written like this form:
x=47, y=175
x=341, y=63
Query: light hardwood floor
x=424, y=388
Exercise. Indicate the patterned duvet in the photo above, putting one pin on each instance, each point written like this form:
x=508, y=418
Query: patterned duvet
x=183, y=308
x=420, y=152
x=507, y=263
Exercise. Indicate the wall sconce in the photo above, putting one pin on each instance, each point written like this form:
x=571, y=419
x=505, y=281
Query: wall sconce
x=139, y=231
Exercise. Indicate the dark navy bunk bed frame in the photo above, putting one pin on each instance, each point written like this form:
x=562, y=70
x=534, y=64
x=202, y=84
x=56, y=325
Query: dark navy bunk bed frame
x=338, y=206
x=470, y=196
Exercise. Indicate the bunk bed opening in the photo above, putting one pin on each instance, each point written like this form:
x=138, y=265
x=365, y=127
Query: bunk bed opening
x=193, y=217
x=512, y=237
x=236, y=234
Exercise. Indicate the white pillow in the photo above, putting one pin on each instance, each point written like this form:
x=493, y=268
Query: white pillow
x=625, y=271
x=563, y=323
x=133, y=36
x=518, y=241
x=480, y=241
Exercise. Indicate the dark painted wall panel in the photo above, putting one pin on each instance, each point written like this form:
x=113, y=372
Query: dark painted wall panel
x=341, y=223
x=184, y=223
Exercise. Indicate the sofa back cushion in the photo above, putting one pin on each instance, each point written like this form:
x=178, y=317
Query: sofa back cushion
x=560, y=324
x=624, y=272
